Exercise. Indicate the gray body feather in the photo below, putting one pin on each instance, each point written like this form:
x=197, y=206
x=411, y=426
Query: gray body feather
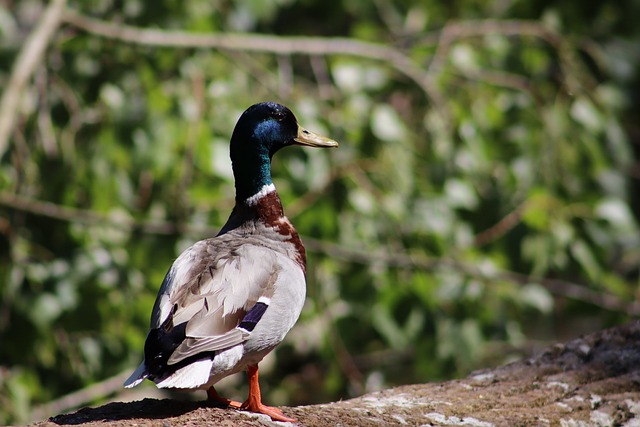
x=212, y=286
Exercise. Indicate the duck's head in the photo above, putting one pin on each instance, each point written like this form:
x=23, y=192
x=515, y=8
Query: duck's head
x=261, y=131
x=267, y=127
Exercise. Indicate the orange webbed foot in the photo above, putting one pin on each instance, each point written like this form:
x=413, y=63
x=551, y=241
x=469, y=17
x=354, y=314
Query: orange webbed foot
x=213, y=396
x=254, y=401
x=275, y=413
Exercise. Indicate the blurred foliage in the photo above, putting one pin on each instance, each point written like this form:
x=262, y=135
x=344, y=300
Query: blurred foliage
x=443, y=236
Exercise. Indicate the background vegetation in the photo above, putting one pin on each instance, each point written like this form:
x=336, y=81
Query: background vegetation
x=484, y=199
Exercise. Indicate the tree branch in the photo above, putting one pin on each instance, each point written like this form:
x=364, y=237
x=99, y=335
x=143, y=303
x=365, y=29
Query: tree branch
x=456, y=30
x=65, y=213
x=404, y=260
x=559, y=287
x=81, y=397
x=24, y=67
x=309, y=46
x=502, y=227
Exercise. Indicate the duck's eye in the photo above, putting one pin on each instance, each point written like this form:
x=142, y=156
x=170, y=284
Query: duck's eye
x=278, y=115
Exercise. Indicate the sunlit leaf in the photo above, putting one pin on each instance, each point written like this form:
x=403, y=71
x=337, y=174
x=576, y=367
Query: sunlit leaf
x=585, y=258
x=386, y=124
x=537, y=296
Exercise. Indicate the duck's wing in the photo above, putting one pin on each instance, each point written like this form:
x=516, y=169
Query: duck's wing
x=211, y=299
x=225, y=297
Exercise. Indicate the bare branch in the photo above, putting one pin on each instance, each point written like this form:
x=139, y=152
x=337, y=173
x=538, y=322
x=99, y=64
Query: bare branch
x=404, y=260
x=81, y=397
x=502, y=227
x=457, y=30
x=264, y=43
x=26, y=63
x=65, y=213
x=238, y=42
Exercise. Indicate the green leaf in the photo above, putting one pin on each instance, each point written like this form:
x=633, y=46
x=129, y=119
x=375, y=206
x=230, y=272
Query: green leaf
x=583, y=254
x=537, y=296
x=460, y=194
x=386, y=124
x=584, y=112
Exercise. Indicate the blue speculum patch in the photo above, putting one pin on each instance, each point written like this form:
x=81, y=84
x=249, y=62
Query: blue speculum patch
x=253, y=316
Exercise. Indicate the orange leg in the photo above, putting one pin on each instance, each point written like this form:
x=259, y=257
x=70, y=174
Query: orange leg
x=254, y=402
x=213, y=396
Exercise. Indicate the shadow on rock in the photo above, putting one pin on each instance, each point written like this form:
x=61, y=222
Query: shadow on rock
x=147, y=408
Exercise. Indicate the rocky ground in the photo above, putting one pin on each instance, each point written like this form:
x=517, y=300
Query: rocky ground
x=590, y=381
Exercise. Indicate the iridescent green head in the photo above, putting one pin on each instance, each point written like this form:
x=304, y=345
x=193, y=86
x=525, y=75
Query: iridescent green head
x=261, y=131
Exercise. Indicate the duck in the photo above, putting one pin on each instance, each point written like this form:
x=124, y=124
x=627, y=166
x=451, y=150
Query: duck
x=228, y=301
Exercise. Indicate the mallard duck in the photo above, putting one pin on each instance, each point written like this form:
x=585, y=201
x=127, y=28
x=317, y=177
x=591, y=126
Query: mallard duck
x=227, y=301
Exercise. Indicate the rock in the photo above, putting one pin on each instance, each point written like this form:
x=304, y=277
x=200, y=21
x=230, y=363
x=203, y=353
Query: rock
x=590, y=381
